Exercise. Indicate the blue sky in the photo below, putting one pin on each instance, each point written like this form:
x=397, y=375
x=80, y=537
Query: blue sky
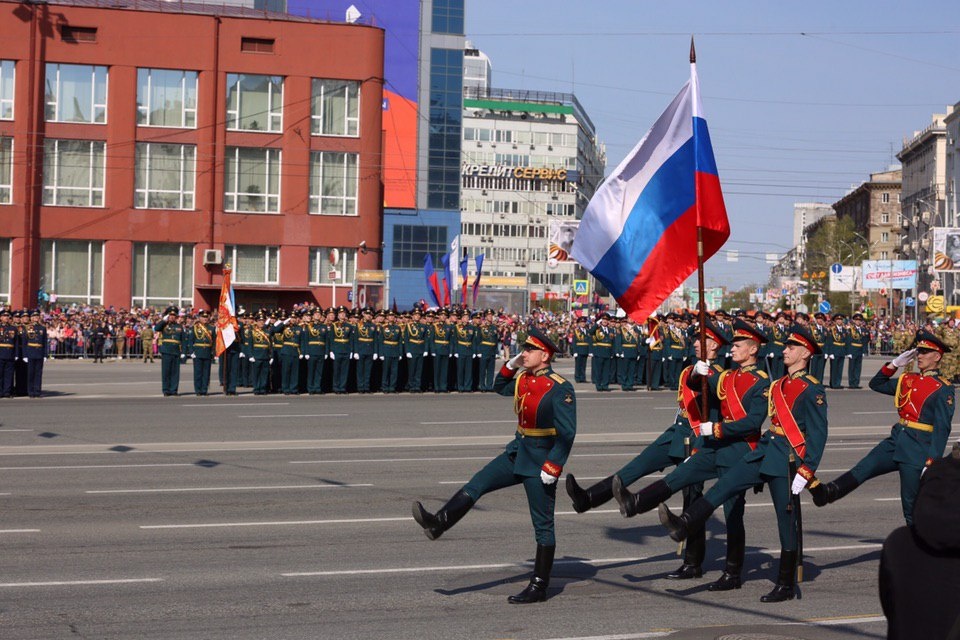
x=803, y=100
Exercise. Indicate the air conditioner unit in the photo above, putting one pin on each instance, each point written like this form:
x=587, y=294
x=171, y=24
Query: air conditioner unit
x=212, y=256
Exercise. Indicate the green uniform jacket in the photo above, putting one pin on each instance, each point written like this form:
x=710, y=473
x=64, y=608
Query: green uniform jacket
x=441, y=339
x=257, y=344
x=415, y=338
x=545, y=401
x=366, y=338
x=581, y=342
x=342, y=339
x=487, y=338
x=625, y=345
x=809, y=409
x=315, y=340
x=201, y=340
x=390, y=341
x=464, y=339
x=171, y=338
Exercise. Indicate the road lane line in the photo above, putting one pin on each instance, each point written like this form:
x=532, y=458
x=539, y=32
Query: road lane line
x=72, y=583
x=299, y=415
x=278, y=523
x=886, y=499
x=14, y=430
x=201, y=489
x=237, y=404
x=101, y=466
x=474, y=422
x=19, y=531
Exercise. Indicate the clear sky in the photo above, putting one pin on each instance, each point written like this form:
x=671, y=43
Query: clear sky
x=803, y=99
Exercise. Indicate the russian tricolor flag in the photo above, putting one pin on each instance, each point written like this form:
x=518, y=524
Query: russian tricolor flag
x=638, y=235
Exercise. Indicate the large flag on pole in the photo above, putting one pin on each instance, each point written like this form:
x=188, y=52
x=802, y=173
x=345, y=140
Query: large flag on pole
x=639, y=232
x=226, y=314
x=447, y=279
x=463, y=281
x=433, y=285
x=476, y=281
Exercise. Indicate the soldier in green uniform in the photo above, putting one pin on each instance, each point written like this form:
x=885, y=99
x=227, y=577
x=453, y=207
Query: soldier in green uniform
x=580, y=348
x=342, y=344
x=258, y=349
x=276, y=366
x=545, y=405
x=779, y=330
x=441, y=348
x=626, y=345
x=199, y=344
x=390, y=351
x=925, y=405
x=819, y=331
x=798, y=415
x=859, y=346
x=290, y=352
x=315, y=350
x=487, y=337
x=837, y=348
x=365, y=349
x=674, y=351
x=415, y=338
x=171, y=350
x=463, y=350
x=602, y=338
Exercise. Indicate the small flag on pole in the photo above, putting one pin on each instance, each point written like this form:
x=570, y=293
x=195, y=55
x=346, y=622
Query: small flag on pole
x=433, y=286
x=476, y=281
x=226, y=314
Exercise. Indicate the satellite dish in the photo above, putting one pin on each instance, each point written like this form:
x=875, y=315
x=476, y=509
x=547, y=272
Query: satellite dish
x=334, y=257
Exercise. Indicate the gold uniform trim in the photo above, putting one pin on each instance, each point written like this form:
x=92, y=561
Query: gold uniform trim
x=919, y=426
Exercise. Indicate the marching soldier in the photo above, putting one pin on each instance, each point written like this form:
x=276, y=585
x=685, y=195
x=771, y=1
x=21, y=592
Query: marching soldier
x=9, y=353
x=837, y=347
x=741, y=395
x=259, y=351
x=463, y=350
x=315, y=350
x=33, y=350
x=859, y=344
x=580, y=349
x=924, y=402
x=486, y=351
x=390, y=351
x=775, y=345
x=342, y=344
x=365, y=349
x=171, y=350
x=798, y=415
x=199, y=343
x=546, y=411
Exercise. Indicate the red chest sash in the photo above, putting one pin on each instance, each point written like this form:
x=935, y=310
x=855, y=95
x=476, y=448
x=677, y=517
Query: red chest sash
x=783, y=395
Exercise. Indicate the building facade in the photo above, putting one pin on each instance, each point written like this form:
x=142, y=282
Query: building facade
x=804, y=215
x=133, y=168
x=531, y=163
x=874, y=207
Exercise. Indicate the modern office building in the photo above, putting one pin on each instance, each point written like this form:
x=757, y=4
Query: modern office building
x=531, y=163
x=142, y=149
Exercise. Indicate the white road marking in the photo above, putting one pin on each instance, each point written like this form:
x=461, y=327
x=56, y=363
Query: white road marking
x=72, y=583
x=237, y=404
x=14, y=430
x=278, y=523
x=887, y=499
x=300, y=415
x=19, y=531
x=474, y=422
x=382, y=460
x=100, y=384
x=824, y=622
x=869, y=413
x=201, y=489
x=100, y=466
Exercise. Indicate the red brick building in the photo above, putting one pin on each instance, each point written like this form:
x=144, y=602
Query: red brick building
x=142, y=147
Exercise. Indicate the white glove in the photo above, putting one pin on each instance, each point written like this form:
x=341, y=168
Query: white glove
x=375, y=356
x=476, y=355
x=278, y=323
x=252, y=359
x=514, y=362
x=241, y=354
x=409, y=355
x=25, y=359
x=183, y=356
x=193, y=356
x=286, y=322
x=849, y=355
x=332, y=356
x=424, y=354
x=456, y=355
x=356, y=356
x=702, y=368
x=306, y=356
x=769, y=355
x=923, y=471
x=300, y=358
x=650, y=340
x=798, y=484
x=706, y=428
x=830, y=356
x=546, y=478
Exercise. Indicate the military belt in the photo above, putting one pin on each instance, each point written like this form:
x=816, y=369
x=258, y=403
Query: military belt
x=6, y=346
x=201, y=344
x=340, y=340
x=839, y=344
x=582, y=344
x=601, y=344
x=465, y=344
x=314, y=342
x=537, y=433
x=390, y=343
x=489, y=344
x=856, y=344
x=416, y=341
x=777, y=342
x=291, y=344
x=34, y=344
x=919, y=426
x=168, y=340
x=365, y=339
x=442, y=341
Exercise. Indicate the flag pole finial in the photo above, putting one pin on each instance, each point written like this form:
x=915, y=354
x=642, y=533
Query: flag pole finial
x=693, y=52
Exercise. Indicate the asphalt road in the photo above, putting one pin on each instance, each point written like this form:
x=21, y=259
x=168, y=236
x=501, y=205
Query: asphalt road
x=124, y=514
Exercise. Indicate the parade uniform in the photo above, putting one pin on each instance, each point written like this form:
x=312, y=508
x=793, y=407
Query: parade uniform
x=199, y=344
x=837, y=347
x=798, y=424
x=315, y=350
x=390, y=351
x=655, y=355
x=34, y=350
x=626, y=348
x=674, y=347
x=463, y=350
x=818, y=361
x=290, y=356
x=602, y=338
x=366, y=347
x=487, y=355
x=276, y=364
x=259, y=352
x=545, y=405
x=925, y=405
x=9, y=353
x=441, y=348
x=581, y=350
x=342, y=345
x=171, y=353
x=859, y=338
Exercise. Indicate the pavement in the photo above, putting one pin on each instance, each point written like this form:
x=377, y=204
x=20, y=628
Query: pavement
x=129, y=515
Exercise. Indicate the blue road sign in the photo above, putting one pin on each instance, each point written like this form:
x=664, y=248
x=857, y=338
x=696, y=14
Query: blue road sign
x=759, y=291
x=836, y=267
x=825, y=306
x=908, y=302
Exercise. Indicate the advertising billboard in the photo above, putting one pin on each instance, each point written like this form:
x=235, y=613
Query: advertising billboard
x=946, y=249
x=562, y=234
x=846, y=278
x=889, y=274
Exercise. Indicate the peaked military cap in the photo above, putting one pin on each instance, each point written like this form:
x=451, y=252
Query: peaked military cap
x=537, y=339
x=926, y=341
x=743, y=330
x=802, y=336
x=713, y=332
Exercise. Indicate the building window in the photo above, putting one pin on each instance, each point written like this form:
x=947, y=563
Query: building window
x=76, y=93
x=162, y=274
x=321, y=269
x=885, y=198
x=73, y=173
x=884, y=255
x=411, y=242
x=335, y=108
x=256, y=45
x=885, y=237
x=333, y=183
x=76, y=35
x=254, y=264
x=447, y=16
x=254, y=103
x=5, y=270
x=446, y=106
x=252, y=180
x=7, y=78
x=884, y=218
x=6, y=170
x=165, y=176
x=73, y=270
x=167, y=98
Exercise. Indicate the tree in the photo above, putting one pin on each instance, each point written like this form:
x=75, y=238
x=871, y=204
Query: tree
x=834, y=241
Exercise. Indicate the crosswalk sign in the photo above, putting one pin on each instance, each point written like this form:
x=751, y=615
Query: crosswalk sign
x=581, y=287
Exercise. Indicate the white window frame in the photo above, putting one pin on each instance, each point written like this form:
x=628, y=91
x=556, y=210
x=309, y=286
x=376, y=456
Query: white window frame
x=273, y=119
x=145, y=109
x=320, y=256
x=143, y=152
x=180, y=299
x=6, y=181
x=8, y=284
x=316, y=181
x=55, y=103
x=8, y=75
x=89, y=297
x=232, y=198
x=54, y=188
x=232, y=255
x=317, y=119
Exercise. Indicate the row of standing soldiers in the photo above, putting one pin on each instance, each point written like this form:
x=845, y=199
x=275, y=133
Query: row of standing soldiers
x=316, y=351
x=23, y=348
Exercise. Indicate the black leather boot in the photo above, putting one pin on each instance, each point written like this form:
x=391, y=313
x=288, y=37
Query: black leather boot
x=825, y=493
x=586, y=499
x=693, y=555
x=785, y=580
x=730, y=578
x=536, y=591
x=688, y=522
x=644, y=500
x=449, y=515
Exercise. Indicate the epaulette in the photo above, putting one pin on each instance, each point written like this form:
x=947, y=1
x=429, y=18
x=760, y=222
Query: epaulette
x=812, y=378
x=761, y=373
x=558, y=378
